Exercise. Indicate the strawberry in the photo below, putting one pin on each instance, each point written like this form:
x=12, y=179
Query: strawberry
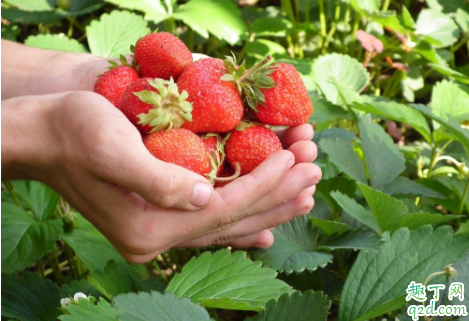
x=155, y=104
x=217, y=105
x=113, y=82
x=250, y=145
x=161, y=55
x=275, y=92
x=222, y=173
x=288, y=103
x=181, y=147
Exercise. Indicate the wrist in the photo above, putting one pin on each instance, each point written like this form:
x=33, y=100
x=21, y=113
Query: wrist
x=27, y=141
x=32, y=71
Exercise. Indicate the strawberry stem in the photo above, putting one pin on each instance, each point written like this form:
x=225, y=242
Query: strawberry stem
x=237, y=167
x=255, y=68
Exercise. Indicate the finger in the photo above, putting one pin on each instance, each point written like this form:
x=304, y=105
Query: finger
x=299, y=178
x=162, y=184
x=290, y=135
x=246, y=230
x=238, y=196
x=304, y=151
x=260, y=240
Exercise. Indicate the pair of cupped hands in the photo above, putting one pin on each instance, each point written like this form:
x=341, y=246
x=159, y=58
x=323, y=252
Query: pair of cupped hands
x=56, y=130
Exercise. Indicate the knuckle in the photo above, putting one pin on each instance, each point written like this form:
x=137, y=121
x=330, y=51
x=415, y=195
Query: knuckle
x=166, y=196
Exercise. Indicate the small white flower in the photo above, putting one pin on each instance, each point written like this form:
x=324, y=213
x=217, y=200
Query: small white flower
x=65, y=301
x=79, y=295
x=410, y=43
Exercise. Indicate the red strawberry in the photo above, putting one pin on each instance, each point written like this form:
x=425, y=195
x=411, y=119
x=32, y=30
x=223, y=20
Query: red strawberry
x=217, y=105
x=113, y=83
x=155, y=104
x=181, y=147
x=222, y=173
x=161, y=55
x=251, y=146
x=288, y=103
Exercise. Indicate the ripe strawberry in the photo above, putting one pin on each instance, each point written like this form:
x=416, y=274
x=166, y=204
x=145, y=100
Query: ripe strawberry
x=155, y=104
x=251, y=146
x=222, y=173
x=217, y=105
x=113, y=83
x=161, y=55
x=181, y=147
x=288, y=103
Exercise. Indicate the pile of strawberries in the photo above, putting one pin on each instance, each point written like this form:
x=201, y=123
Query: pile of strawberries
x=210, y=116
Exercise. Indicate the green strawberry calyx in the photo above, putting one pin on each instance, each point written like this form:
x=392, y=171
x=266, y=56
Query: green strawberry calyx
x=170, y=108
x=249, y=82
x=217, y=158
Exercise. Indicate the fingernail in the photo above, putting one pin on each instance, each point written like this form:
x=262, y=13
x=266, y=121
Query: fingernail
x=201, y=195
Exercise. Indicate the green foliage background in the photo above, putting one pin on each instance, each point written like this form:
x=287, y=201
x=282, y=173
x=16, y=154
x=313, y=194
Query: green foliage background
x=390, y=85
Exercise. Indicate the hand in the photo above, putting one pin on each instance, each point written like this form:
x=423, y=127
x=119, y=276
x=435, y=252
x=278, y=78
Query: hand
x=84, y=148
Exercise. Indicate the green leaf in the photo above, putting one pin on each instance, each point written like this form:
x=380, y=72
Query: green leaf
x=227, y=281
x=384, y=160
x=388, y=19
x=112, y=35
x=344, y=157
x=447, y=6
x=69, y=290
x=114, y=279
x=392, y=305
x=462, y=268
x=24, y=240
x=407, y=19
x=33, y=5
x=341, y=133
x=411, y=82
x=403, y=187
x=395, y=111
x=438, y=26
x=342, y=69
x=294, y=248
x=58, y=42
x=415, y=220
x=156, y=306
x=29, y=297
x=28, y=17
x=154, y=10
x=450, y=98
x=463, y=228
x=330, y=227
x=90, y=245
x=460, y=133
x=325, y=111
x=462, y=18
x=260, y=48
x=448, y=72
x=341, y=184
x=88, y=310
x=271, y=26
x=41, y=199
x=296, y=307
x=227, y=26
x=378, y=278
x=387, y=210
x=425, y=49
x=365, y=5
x=358, y=239
x=10, y=32
x=358, y=212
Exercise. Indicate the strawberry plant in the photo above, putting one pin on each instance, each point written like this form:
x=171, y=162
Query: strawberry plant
x=389, y=84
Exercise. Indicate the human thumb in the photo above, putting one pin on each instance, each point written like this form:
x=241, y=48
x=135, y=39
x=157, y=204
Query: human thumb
x=164, y=184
